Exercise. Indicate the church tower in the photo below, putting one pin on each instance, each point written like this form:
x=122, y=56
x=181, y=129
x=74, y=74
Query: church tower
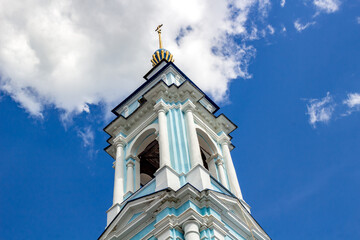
x=174, y=175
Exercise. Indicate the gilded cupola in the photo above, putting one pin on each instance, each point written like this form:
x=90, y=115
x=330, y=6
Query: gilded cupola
x=161, y=53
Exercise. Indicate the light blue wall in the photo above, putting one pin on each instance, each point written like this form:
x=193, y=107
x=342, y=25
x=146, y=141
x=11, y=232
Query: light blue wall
x=179, y=149
x=206, y=234
x=170, y=78
x=149, y=188
x=189, y=204
x=131, y=108
x=135, y=216
x=145, y=231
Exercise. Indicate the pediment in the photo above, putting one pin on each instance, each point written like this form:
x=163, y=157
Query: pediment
x=174, y=207
x=133, y=216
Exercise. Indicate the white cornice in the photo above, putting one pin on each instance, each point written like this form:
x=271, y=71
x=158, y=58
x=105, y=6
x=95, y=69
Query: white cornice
x=228, y=207
x=173, y=95
x=188, y=105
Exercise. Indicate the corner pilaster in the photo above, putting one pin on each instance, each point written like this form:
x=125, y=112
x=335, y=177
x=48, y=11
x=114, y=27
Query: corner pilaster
x=119, y=143
x=195, y=156
x=161, y=108
x=233, y=180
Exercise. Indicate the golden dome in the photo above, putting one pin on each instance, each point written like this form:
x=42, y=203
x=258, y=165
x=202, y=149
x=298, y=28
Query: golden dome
x=161, y=54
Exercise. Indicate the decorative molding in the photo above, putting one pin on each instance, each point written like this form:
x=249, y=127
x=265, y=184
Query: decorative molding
x=161, y=106
x=119, y=141
x=224, y=139
x=188, y=106
x=130, y=163
x=219, y=162
x=206, y=127
x=135, y=158
x=215, y=156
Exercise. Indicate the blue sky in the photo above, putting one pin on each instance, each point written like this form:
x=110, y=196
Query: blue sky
x=288, y=76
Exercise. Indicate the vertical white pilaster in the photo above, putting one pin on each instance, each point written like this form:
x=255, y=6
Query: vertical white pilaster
x=163, y=134
x=130, y=176
x=191, y=230
x=220, y=167
x=233, y=180
x=195, y=155
x=119, y=172
x=137, y=173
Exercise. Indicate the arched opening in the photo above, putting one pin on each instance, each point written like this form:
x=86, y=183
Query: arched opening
x=205, y=156
x=149, y=162
x=207, y=149
x=145, y=149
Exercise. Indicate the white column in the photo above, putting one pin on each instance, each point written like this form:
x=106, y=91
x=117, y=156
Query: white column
x=211, y=164
x=130, y=176
x=163, y=135
x=119, y=173
x=137, y=173
x=220, y=167
x=195, y=155
x=191, y=230
x=233, y=180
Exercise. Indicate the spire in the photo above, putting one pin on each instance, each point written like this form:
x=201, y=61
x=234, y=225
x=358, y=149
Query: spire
x=158, y=29
x=161, y=53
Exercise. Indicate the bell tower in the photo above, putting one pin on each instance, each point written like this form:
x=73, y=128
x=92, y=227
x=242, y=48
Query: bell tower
x=174, y=176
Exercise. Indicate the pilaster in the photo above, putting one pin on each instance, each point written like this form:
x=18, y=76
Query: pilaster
x=161, y=109
x=220, y=167
x=233, y=180
x=191, y=230
x=195, y=156
x=120, y=143
x=130, y=176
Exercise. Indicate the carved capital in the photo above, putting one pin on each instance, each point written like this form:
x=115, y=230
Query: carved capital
x=161, y=106
x=191, y=221
x=130, y=163
x=219, y=162
x=119, y=141
x=136, y=158
x=224, y=139
x=188, y=106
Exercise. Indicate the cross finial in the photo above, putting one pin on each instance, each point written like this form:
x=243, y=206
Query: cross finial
x=158, y=29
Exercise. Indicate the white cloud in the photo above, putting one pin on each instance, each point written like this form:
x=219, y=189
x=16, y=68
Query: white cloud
x=282, y=3
x=87, y=136
x=271, y=29
x=301, y=27
x=69, y=54
x=358, y=20
x=320, y=110
x=328, y=6
x=352, y=102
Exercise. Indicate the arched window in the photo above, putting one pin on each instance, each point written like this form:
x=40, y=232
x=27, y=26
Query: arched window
x=149, y=162
x=205, y=156
x=207, y=149
x=145, y=149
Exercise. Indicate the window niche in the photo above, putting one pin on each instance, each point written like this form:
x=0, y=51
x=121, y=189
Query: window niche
x=205, y=156
x=149, y=162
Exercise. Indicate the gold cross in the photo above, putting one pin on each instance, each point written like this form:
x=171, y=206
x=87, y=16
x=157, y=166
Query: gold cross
x=158, y=29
